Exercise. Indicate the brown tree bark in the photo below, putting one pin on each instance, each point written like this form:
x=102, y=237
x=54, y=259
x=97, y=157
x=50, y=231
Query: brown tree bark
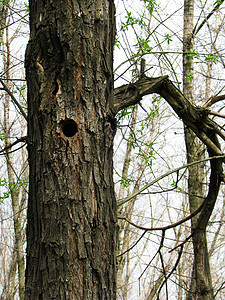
x=198, y=121
x=17, y=210
x=72, y=208
x=201, y=282
x=72, y=231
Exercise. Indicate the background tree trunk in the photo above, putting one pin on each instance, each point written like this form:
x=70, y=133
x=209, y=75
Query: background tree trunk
x=72, y=209
x=18, y=258
x=201, y=282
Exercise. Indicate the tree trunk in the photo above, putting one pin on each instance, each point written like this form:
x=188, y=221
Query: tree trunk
x=201, y=283
x=72, y=231
x=14, y=191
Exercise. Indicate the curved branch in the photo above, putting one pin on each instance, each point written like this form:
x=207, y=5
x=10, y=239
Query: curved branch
x=20, y=140
x=209, y=102
x=132, y=93
x=16, y=103
x=196, y=118
x=165, y=175
x=197, y=29
x=216, y=177
x=168, y=226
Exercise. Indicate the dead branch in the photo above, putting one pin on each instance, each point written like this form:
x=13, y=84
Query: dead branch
x=190, y=216
x=213, y=100
x=197, y=29
x=165, y=175
x=196, y=118
x=20, y=140
x=16, y=103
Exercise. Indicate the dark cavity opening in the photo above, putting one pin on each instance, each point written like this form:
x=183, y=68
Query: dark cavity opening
x=69, y=128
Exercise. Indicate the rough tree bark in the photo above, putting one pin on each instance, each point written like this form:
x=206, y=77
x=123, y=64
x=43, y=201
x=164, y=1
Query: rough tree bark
x=72, y=231
x=201, y=281
x=71, y=234
x=197, y=120
x=17, y=210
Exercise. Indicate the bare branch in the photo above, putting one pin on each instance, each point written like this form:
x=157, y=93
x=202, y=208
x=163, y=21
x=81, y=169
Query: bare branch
x=214, y=113
x=174, y=268
x=196, y=118
x=20, y=140
x=163, y=266
x=212, y=100
x=222, y=286
x=165, y=175
x=16, y=103
x=133, y=244
x=197, y=29
x=168, y=226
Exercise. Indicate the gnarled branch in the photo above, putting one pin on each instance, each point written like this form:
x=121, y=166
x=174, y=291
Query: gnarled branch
x=195, y=118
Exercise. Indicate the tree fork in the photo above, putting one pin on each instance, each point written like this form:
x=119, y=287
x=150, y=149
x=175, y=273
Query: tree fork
x=195, y=118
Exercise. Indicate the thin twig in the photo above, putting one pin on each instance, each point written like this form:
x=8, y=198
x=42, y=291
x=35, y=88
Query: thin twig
x=196, y=30
x=165, y=175
x=20, y=140
x=174, y=268
x=168, y=226
x=16, y=103
x=214, y=113
x=133, y=244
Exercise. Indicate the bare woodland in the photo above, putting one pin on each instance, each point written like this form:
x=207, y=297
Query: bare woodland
x=112, y=181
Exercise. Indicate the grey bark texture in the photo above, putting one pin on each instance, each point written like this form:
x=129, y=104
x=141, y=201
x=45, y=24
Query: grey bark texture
x=201, y=281
x=72, y=222
x=72, y=231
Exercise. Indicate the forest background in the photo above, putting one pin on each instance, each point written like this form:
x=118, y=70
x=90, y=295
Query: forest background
x=155, y=185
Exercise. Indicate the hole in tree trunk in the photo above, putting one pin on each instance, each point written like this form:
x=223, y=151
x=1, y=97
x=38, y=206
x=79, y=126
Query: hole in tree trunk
x=69, y=128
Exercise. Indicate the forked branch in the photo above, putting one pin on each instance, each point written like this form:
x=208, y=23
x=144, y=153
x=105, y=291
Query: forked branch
x=195, y=118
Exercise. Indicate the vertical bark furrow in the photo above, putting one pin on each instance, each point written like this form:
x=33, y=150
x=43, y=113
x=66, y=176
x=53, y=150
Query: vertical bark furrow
x=71, y=210
x=201, y=283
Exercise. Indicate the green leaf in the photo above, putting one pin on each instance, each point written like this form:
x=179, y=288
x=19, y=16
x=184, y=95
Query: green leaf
x=3, y=136
x=145, y=47
x=168, y=38
x=193, y=54
x=117, y=43
x=27, y=7
x=126, y=181
x=150, y=5
x=212, y=58
x=189, y=76
x=179, y=189
x=218, y=2
x=4, y=2
x=131, y=21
